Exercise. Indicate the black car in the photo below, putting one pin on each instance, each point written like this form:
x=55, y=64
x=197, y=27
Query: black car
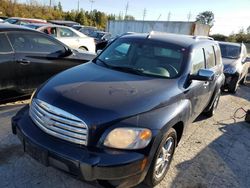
x=236, y=64
x=120, y=117
x=101, y=39
x=28, y=58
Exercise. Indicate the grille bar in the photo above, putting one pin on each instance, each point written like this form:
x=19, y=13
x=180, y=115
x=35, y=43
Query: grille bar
x=58, y=123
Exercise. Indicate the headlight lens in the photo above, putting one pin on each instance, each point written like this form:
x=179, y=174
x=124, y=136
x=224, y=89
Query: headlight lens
x=32, y=96
x=230, y=70
x=128, y=138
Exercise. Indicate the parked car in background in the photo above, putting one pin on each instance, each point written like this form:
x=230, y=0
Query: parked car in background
x=3, y=17
x=77, y=27
x=1, y=20
x=88, y=30
x=63, y=22
x=36, y=25
x=121, y=116
x=101, y=39
x=70, y=37
x=23, y=21
x=236, y=64
x=28, y=58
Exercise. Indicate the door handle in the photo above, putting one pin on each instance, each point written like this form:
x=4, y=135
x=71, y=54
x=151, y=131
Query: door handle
x=23, y=61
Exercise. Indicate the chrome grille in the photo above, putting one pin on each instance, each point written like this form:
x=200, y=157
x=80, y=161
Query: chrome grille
x=58, y=123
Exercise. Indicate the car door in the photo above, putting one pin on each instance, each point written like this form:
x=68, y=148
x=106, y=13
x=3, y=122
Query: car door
x=37, y=58
x=197, y=90
x=7, y=65
x=68, y=37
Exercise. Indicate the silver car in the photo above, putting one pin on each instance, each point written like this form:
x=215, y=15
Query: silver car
x=70, y=37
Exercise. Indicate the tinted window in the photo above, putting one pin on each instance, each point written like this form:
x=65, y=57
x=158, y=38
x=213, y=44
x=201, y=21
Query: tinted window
x=64, y=32
x=210, y=57
x=230, y=51
x=149, y=57
x=34, y=43
x=198, y=60
x=5, y=46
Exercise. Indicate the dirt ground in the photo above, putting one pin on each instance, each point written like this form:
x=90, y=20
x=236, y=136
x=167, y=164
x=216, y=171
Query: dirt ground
x=214, y=153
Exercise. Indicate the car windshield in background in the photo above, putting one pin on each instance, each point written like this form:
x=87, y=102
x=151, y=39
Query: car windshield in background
x=144, y=57
x=230, y=51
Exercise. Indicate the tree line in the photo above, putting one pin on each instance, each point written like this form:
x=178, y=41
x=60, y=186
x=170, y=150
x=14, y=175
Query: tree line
x=34, y=9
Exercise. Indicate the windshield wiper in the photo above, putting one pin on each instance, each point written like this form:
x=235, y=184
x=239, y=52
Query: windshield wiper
x=129, y=70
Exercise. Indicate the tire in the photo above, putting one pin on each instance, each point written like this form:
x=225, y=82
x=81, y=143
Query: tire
x=232, y=88
x=214, y=106
x=155, y=175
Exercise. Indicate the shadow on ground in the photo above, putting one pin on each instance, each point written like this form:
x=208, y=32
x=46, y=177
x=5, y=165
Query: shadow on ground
x=221, y=163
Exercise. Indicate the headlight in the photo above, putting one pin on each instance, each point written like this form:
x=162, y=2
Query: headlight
x=128, y=138
x=230, y=70
x=32, y=96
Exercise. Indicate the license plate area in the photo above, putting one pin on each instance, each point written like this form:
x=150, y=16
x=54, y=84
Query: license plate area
x=37, y=153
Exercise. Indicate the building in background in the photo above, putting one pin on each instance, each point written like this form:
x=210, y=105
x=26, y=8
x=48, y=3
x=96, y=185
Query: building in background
x=118, y=27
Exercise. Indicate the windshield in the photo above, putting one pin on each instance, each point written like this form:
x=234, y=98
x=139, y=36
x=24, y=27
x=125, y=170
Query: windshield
x=144, y=56
x=230, y=51
x=11, y=21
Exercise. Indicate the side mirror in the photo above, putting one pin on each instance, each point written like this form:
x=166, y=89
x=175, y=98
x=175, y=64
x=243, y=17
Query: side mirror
x=98, y=52
x=203, y=75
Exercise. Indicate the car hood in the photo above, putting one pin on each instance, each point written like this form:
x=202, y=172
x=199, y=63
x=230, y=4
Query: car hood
x=99, y=95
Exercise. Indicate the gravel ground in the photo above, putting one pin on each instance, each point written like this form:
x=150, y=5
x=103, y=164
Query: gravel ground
x=214, y=153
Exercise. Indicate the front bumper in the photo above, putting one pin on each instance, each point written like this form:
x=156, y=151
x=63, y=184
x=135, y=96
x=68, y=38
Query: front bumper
x=87, y=163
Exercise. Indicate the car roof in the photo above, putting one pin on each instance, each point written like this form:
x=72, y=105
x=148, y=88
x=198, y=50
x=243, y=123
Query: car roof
x=13, y=27
x=230, y=43
x=177, y=39
x=63, y=21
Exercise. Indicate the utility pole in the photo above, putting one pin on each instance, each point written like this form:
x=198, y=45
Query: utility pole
x=78, y=6
x=91, y=1
x=126, y=10
x=144, y=14
x=169, y=16
x=143, y=18
x=159, y=17
x=189, y=16
x=50, y=2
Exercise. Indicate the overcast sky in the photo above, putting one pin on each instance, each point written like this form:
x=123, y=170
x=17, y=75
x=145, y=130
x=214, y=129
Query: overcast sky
x=230, y=15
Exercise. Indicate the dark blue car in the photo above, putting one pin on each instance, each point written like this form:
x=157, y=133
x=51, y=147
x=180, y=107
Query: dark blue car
x=119, y=118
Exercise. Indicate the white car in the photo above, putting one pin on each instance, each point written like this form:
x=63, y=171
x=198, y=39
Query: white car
x=70, y=37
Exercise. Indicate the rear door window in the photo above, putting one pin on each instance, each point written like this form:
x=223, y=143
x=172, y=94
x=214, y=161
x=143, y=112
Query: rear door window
x=5, y=46
x=65, y=32
x=210, y=57
x=198, y=60
x=34, y=43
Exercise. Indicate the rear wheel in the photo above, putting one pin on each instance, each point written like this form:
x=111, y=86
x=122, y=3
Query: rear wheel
x=162, y=158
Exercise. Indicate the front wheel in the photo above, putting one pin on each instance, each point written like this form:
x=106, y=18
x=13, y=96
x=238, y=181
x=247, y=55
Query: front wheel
x=162, y=158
